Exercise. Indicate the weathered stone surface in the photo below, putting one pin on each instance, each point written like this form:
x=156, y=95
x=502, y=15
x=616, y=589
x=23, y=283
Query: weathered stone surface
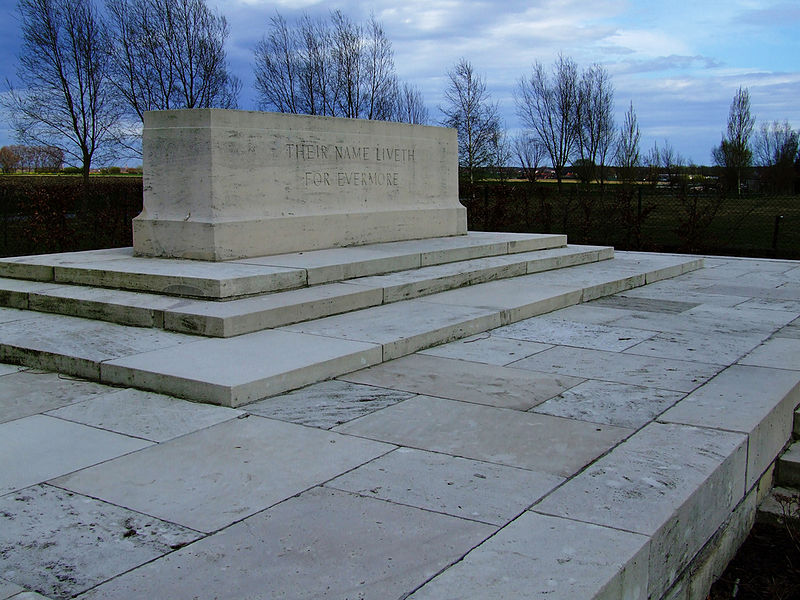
x=553, y=330
x=247, y=315
x=778, y=352
x=77, y=346
x=487, y=348
x=537, y=442
x=543, y=557
x=6, y=369
x=30, y=392
x=183, y=277
x=789, y=466
x=322, y=544
x=673, y=483
x=625, y=301
x=327, y=404
x=247, y=465
x=52, y=447
x=467, y=381
x=223, y=184
x=143, y=414
x=8, y=589
x=118, y=306
x=611, y=403
x=470, y=489
x=663, y=373
x=403, y=327
x=63, y=543
x=708, y=347
x=757, y=401
x=238, y=370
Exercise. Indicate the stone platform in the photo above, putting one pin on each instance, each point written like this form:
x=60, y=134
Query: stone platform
x=615, y=448
x=290, y=320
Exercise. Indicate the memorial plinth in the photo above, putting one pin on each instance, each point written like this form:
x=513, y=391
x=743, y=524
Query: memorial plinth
x=225, y=184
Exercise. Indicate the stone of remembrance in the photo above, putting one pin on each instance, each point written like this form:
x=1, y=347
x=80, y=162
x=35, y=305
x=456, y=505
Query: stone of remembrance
x=225, y=184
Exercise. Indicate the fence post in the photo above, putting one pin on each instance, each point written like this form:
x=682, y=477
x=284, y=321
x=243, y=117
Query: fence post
x=778, y=219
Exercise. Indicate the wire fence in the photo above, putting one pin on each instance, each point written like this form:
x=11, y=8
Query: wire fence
x=677, y=218
x=56, y=214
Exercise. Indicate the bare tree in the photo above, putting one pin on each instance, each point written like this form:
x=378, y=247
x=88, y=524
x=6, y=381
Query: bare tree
x=336, y=68
x=548, y=106
x=530, y=153
x=734, y=153
x=627, y=151
x=468, y=108
x=66, y=99
x=776, y=146
x=170, y=54
x=595, y=122
x=410, y=105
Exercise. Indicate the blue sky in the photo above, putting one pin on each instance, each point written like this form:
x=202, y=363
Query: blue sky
x=679, y=62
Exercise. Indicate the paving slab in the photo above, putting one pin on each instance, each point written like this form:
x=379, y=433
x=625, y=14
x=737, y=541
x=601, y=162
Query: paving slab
x=52, y=447
x=145, y=415
x=778, y=352
x=591, y=312
x=757, y=401
x=6, y=369
x=487, y=348
x=403, y=327
x=610, y=403
x=712, y=319
x=469, y=489
x=773, y=304
x=663, y=373
x=658, y=305
x=62, y=543
x=543, y=557
x=9, y=315
x=8, y=589
x=247, y=465
x=467, y=381
x=77, y=346
x=751, y=291
x=714, y=347
x=674, y=483
x=29, y=392
x=383, y=551
x=538, y=442
x=558, y=331
x=669, y=289
x=239, y=370
x=792, y=330
x=327, y=404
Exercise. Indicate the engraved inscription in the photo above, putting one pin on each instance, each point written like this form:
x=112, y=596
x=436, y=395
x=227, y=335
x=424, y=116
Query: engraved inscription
x=379, y=176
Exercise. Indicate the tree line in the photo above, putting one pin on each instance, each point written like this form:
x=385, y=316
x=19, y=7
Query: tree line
x=89, y=71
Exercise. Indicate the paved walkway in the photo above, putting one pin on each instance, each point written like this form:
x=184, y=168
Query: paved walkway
x=588, y=453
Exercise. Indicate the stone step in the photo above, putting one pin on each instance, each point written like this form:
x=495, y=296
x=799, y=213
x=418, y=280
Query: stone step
x=120, y=269
x=255, y=313
x=238, y=370
x=789, y=466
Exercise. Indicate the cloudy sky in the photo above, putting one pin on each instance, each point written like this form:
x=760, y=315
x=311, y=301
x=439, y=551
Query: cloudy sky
x=679, y=61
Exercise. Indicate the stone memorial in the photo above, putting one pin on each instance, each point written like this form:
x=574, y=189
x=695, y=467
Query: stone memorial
x=228, y=184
